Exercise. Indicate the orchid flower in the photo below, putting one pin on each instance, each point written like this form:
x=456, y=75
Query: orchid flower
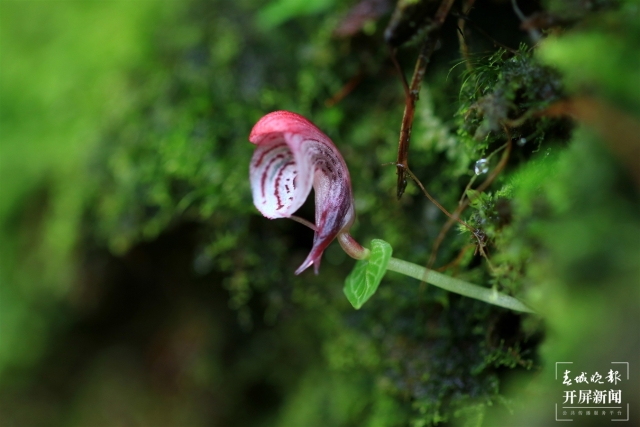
x=292, y=155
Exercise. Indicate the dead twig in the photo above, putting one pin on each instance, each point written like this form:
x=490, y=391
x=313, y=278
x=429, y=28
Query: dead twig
x=465, y=203
x=345, y=90
x=456, y=262
x=485, y=34
x=412, y=95
x=464, y=48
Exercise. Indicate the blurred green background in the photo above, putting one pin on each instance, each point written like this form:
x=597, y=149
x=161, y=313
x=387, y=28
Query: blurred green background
x=140, y=287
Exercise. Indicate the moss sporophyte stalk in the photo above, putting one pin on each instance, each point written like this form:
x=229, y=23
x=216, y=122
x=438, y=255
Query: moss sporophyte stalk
x=292, y=156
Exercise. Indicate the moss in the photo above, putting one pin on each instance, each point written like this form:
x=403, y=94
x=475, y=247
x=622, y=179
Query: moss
x=503, y=88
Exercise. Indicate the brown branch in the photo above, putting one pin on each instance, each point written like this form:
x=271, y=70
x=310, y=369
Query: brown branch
x=414, y=90
x=464, y=48
x=435, y=202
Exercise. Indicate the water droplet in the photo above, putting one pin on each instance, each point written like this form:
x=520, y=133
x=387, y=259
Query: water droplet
x=482, y=166
x=522, y=141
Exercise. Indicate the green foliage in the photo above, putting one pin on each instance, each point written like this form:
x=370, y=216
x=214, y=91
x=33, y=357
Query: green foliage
x=57, y=92
x=365, y=277
x=612, y=74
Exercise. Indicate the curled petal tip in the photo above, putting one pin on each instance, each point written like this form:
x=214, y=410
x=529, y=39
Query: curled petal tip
x=302, y=268
x=292, y=156
x=308, y=263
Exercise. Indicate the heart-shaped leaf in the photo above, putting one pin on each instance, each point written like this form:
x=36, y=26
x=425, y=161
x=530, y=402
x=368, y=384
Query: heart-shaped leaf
x=365, y=277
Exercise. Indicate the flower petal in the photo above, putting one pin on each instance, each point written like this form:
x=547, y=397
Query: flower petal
x=291, y=156
x=277, y=186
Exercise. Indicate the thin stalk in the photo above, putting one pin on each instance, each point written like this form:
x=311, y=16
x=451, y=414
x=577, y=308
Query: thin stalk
x=485, y=34
x=457, y=286
x=435, y=202
x=463, y=204
x=464, y=48
x=533, y=33
x=414, y=90
x=304, y=222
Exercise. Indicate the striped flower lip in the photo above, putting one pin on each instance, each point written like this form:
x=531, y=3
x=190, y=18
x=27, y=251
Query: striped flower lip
x=292, y=156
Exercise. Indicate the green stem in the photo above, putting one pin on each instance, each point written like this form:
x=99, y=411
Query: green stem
x=458, y=286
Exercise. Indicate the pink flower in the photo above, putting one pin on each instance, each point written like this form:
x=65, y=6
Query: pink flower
x=292, y=155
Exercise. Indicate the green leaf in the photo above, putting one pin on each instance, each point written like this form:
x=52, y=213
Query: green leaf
x=365, y=277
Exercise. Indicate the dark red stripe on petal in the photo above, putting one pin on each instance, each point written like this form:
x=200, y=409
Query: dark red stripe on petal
x=277, y=184
x=265, y=152
x=266, y=169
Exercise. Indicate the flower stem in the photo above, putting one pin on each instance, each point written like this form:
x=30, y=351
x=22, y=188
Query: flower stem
x=351, y=247
x=458, y=286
